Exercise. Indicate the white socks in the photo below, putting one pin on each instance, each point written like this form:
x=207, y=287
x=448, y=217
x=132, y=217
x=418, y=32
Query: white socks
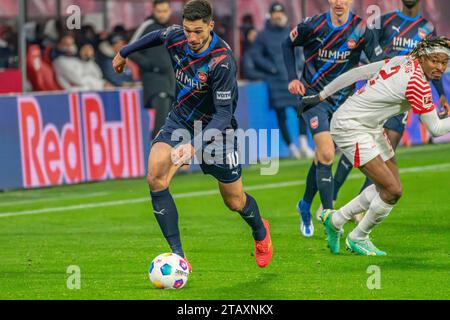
x=378, y=211
x=358, y=205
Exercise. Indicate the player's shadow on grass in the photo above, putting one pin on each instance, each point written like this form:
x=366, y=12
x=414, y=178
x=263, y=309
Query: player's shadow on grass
x=256, y=287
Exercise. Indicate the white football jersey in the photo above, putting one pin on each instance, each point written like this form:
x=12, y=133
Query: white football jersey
x=399, y=86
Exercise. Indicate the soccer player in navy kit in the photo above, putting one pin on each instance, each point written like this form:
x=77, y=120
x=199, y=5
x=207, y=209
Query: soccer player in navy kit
x=206, y=91
x=399, y=34
x=333, y=43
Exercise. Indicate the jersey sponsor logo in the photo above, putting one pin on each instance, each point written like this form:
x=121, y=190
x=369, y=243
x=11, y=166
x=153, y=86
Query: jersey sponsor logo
x=334, y=54
x=351, y=44
x=422, y=33
x=223, y=95
x=186, y=80
x=314, y=123
x=404, y=43
x=294, y=34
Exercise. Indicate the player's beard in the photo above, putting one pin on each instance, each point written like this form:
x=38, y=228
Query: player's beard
x=203, y=44
x=410, y=4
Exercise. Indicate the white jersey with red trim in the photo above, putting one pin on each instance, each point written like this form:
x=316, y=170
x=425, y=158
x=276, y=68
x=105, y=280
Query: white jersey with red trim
x=399, y=86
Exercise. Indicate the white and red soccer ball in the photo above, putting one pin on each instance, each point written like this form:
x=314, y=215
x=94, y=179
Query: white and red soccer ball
x=168, y=271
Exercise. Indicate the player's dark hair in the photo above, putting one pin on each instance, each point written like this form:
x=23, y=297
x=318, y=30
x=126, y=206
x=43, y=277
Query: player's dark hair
x=198, y=10
x=156, y=2
x=425, y=45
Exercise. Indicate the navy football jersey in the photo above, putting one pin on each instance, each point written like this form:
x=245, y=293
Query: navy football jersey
x=400, y=34
x=206, y=84
x=203, y=81
x=331, y=51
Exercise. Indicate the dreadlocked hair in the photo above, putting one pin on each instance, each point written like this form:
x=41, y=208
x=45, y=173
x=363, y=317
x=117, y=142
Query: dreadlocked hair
x=424, y=46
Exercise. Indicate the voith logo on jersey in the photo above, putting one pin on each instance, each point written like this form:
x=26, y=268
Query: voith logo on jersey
x=335, y=55
x=79, y=144
x=223, y=95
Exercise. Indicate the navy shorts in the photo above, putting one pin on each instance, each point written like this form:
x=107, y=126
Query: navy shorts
x=318, y=118
x=223, y=163
x=397, y=123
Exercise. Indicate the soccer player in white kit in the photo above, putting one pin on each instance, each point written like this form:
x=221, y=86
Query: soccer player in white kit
x=394, y=87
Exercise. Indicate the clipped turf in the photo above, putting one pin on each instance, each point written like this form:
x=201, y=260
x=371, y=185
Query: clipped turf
x=108, y=230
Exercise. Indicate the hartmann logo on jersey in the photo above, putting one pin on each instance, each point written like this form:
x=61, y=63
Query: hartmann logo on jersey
x=87, y=138
x=340, y=56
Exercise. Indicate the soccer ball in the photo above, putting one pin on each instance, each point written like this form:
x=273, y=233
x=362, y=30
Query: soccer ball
x=168, y=271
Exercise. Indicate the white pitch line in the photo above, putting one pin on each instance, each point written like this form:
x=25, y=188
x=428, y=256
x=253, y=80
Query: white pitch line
x=198, y=194
x=43, y=199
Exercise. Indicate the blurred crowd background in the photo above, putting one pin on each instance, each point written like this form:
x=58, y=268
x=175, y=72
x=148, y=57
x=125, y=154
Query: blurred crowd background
x=109, y=24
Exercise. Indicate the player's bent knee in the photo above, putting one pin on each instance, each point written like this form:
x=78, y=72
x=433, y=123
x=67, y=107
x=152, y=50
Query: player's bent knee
x=393, y=194
x=236, y=204
x=326, y=157
x=157, y=183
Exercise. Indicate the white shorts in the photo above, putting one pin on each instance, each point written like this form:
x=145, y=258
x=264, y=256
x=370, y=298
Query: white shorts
x=361, y=147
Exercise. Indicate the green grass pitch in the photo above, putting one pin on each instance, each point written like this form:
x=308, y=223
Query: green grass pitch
x=108, y=230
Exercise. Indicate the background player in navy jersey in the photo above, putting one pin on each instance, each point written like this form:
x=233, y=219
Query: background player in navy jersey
x=399, y=34
x=206, y=91
x=333, y=43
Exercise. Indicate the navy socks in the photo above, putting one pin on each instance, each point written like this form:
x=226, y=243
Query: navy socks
x=325, y=185
x=311, y=185
x=166, y=214
x=251, y=215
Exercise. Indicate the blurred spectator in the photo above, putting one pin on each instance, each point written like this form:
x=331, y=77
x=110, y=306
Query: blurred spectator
x=77, y=73
x=87, y=33
x=268, y=57
x=120, y=29
x=247, y=25
x=106, y=52
x=53, y=30
x=156, y=68
x=224, y=28
x=248, y=67
x=6, y=52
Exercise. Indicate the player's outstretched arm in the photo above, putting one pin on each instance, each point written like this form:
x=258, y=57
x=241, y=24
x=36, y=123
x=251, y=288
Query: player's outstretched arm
x=437, y=127
x=347, y=79
x=351, y=77
x=152, y=39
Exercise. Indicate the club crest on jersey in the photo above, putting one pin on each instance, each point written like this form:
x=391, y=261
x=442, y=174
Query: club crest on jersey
x=351, y=44
x=202, y=76
x=314, y=123
x=294, y=34
x=422, y=33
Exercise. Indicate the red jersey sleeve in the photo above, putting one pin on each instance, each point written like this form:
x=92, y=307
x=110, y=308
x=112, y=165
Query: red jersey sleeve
x=418, y=94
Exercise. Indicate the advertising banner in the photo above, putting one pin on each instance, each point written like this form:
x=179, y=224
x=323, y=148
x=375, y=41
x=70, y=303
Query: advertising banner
x=49, y=140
